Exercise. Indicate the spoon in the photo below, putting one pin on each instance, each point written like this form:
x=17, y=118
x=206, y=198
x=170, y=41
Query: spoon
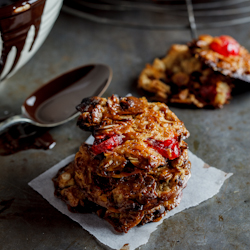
x=54, y=103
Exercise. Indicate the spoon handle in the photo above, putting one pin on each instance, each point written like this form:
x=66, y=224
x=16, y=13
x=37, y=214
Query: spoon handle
x=12, y=120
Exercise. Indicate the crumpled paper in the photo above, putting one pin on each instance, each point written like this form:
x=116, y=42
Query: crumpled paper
x=204, y=183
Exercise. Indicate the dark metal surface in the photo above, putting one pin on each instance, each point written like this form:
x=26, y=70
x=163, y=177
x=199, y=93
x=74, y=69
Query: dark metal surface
x=220, y=137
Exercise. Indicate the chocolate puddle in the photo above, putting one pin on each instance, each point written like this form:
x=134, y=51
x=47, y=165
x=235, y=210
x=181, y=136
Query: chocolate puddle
x=16, y=19
x=25, y=136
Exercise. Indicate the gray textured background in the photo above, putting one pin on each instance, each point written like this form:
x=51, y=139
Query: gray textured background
x=220, y=137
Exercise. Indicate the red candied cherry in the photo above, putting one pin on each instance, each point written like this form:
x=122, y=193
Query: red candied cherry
x=169, y=148
x=208, y=92
x=106, y=145
x=225, y=45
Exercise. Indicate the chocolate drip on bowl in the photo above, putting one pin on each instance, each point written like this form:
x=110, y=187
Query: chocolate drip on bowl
x=16, y=20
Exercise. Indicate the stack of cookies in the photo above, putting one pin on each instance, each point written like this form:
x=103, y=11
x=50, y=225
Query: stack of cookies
x=137, y=167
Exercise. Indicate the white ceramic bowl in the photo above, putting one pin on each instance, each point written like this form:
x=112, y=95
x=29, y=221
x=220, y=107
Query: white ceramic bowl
x=24, y=26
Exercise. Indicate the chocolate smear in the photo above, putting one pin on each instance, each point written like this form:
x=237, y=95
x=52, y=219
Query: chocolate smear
x=16, y=19
x=25, y=136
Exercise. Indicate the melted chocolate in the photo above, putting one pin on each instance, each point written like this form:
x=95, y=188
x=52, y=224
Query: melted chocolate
x=24, y=136
x=56, y=101
x=16, y=19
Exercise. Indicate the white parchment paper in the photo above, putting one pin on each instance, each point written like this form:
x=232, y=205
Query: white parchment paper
x=204, y=183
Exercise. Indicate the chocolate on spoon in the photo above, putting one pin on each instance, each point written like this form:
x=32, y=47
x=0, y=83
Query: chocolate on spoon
x=54, y=103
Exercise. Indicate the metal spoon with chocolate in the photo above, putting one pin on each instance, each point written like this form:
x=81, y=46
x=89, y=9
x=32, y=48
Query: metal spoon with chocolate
x=54, y=103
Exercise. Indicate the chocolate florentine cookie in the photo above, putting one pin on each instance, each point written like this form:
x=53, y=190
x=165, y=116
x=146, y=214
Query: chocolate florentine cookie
x=201, y=73
x=137, y=167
